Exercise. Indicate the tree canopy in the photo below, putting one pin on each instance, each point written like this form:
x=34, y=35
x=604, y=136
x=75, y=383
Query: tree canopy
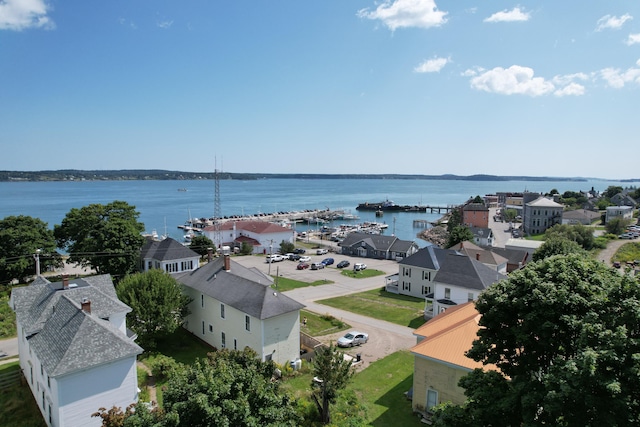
x=20, y=237
x=332, y=373
x=461, y=233
x=158, y=306
x=229, y=388
x=565, y=334
x=201, y=245
x=578, y=233
x=104, y=237
x=557, y=245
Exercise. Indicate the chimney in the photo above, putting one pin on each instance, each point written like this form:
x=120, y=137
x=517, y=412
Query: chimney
x=227, y=258
x=86, y=305
x=209, y=254
x=477, y=257
x=65, y=281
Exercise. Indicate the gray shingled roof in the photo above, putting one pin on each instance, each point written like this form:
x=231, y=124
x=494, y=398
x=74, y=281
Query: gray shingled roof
x=34, y=304
x=377, y=241
x=241, y=288
x=166, y=249
x=72, y=340
x=454, y=268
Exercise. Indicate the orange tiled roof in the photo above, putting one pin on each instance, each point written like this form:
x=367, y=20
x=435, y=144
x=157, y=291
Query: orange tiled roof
x=448, y=336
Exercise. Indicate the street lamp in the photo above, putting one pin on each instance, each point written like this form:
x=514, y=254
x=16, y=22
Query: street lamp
x=270, y=257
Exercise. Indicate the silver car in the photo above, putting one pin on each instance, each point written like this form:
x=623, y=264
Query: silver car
x=353, y=338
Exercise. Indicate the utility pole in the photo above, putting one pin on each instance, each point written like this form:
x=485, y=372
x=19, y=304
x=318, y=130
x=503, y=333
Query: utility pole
x=36, y=256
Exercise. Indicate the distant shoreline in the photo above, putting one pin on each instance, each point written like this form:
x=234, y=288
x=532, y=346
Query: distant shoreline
x=165, y=175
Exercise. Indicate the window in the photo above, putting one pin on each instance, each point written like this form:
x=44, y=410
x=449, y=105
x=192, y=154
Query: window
x=447, y=293
x=210, y=328
x=432, y=399
x=49, y=381
x=203, y=327
x=222, y=310
x=235, y=344
x=470, y=296
x=247, y=323
x=202, y=300
x=406, y=286
x=224, y=340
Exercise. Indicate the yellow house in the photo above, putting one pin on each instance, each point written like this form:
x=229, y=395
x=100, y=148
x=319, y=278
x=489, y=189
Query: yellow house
x=440, y=359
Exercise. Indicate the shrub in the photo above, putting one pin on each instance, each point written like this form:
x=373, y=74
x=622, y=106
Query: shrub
x=162, y=366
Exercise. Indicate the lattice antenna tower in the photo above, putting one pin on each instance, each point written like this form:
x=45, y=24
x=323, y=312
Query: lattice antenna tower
x=217, y=212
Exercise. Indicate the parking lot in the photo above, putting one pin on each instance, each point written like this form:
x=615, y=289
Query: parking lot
x=384, y=337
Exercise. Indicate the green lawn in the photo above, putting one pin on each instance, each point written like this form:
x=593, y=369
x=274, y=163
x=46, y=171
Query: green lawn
x=379, y=304
x=17, y=406
x=320, y=324
x=362, y=274
x=7, y=318
x=379, y=389
x=284, y=284
x=627, y=252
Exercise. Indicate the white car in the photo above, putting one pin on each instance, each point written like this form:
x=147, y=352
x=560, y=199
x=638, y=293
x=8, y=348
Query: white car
x=353, y=338
x=321, y=251
x=274, y=258
x=305, y=259
x=358, y=266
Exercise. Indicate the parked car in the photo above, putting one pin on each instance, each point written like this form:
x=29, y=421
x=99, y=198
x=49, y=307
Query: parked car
x=358, y=266
x=302, y=266
x=305, y=259
x=327, y=261
x=294, y=257
x=616, y=264
x=626, y=236
x=275, y=258
x=343, y=264
x=299, y=251
x=321, y=251
x=353, y=338
x=317, y=266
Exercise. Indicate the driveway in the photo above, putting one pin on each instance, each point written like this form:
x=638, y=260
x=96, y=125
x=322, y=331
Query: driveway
x=384, y=337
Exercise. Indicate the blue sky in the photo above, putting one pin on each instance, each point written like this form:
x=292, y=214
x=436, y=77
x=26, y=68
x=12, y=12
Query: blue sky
x=544, y=88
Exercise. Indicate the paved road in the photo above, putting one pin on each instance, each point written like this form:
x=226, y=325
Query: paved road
x=384, y=337
x=9, y=349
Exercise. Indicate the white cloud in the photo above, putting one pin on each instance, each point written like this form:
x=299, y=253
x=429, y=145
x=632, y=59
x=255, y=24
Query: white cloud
x=406, y=13
x=569, y=78
x=515, y=80
x=432, y=65
x=612, y=22
x=572, y=89
x=165, y=24
x=19, y=15
x=633, y=39
x=617, y=79
x=509, y=16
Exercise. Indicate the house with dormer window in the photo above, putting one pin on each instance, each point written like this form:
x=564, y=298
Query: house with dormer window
x=75, y=350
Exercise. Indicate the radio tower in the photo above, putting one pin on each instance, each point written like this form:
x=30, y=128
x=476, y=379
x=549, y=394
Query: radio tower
x=217, y=214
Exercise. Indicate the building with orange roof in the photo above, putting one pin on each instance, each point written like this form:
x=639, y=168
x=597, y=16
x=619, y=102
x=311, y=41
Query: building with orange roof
x=439, y=357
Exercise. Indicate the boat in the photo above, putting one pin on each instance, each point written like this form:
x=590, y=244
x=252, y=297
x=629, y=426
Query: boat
x=379, y=212
x=386, y=205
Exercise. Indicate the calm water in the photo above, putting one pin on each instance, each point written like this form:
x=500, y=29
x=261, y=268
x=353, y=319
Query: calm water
x=162, y=207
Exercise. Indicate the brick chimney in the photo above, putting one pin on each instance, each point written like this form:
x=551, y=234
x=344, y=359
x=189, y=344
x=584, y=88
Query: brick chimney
x=209, y=254
x=478, y=257
x=86, y=305
x=65, y=281
x=226, y=253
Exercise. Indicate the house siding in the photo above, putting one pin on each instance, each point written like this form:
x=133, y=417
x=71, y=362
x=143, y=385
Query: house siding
x=435, y=375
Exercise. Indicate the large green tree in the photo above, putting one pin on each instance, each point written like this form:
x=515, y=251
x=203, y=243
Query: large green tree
x=21, y=238
x=565, y=334
x=557, y=245
x=158, y=306
x=230, y=388
x=104, y=237
x=332, y=372
x=578, y=233
x=461, y=233
x=201, y=244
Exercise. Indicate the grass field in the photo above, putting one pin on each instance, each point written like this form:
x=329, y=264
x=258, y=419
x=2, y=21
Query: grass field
x=320, y=324
x=284, y=284
x=362, y=274
x=17, y=406
x=377, y=303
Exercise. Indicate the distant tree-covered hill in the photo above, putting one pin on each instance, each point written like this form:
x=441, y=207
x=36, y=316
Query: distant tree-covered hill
x=156, y=174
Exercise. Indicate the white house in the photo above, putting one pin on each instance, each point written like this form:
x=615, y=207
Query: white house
x=622, y=212
x=74, y=350
x=444, y=277
x=168, y=255
x=235, y=307
x=264, y=236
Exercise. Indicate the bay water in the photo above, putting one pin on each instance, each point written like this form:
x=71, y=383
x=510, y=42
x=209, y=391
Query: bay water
x=163, y=205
